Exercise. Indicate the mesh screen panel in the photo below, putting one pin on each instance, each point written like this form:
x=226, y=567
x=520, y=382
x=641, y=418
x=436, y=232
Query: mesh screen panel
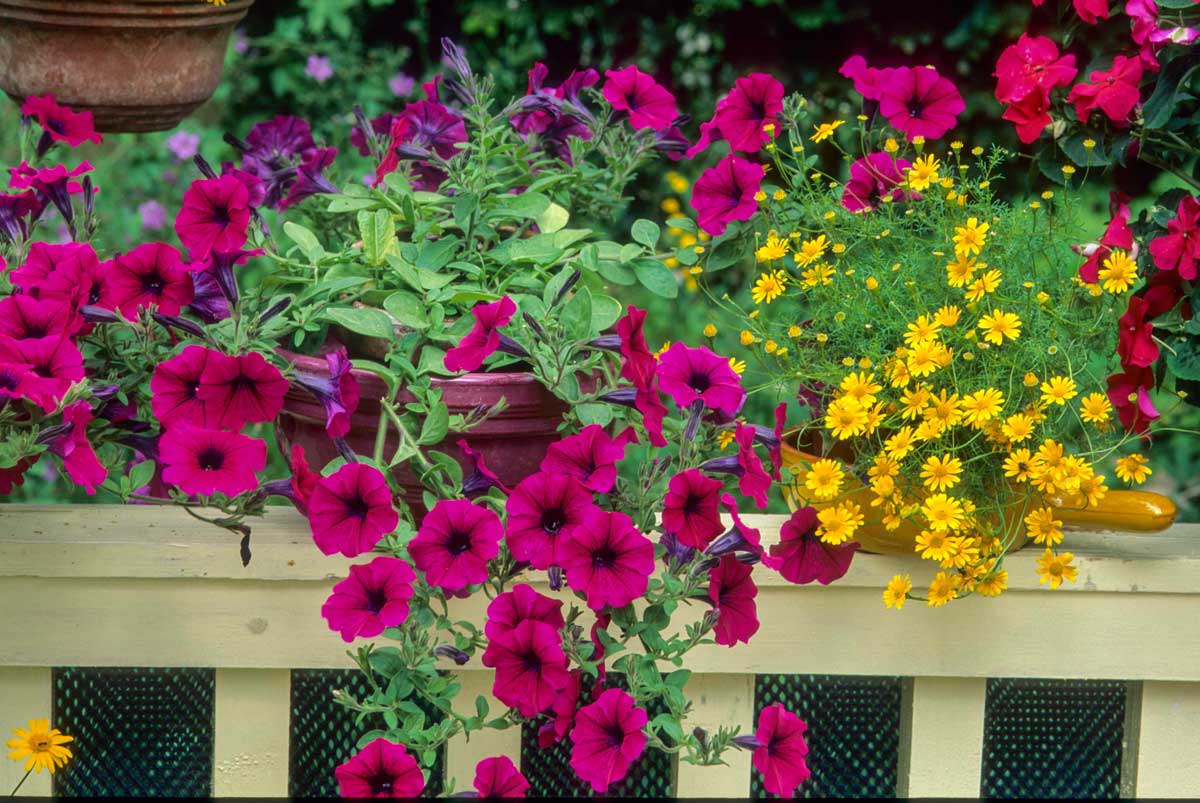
x=550, y=775
x=323, y=733
x=1053, y=738
x=853, y=731
x=138, y=732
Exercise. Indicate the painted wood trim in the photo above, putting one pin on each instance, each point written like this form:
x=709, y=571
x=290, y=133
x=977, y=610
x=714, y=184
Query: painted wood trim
x=462, y=754
x=252, y=733
x=943, y=754
x=25, y=693
x=1168, y=752
x=718, y=700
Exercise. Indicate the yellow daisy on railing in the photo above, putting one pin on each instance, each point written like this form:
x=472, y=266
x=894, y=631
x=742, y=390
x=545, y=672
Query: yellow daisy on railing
x=40, y=747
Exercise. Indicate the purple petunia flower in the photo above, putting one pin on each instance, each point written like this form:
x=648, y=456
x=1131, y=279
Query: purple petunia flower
x=153, y=216
x=318, y=68
x=401, y=84
x=183, y=145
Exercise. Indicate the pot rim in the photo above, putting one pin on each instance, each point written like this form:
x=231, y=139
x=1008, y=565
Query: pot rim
x=317, y=364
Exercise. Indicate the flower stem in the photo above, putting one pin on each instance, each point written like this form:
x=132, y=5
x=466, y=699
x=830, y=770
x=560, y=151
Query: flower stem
x=28, y=772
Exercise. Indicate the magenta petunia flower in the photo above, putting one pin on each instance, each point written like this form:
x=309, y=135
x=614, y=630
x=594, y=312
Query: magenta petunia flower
x=498, y=777
x=152, y=274
x=381, y=769
x=310, y=177
x=381, y=128
x=1114, y=92
x=607, y=739
x=755, y=101
x=60, y=123
x=753, y=481
x=919, y=101
x=740, y=537
x=350, y=510
x=638, y=363
x=1179, y=249
x=55, y=362
x=207, y=461
x=18, y=381
x=16, y=212
x=649, y=104
x=531, y=668
x=76, y=452
x=174, y=388
x=1129, y=393
x=215, y=216
x=691, y=509
x=1091, y=11
x=51, y=184
x=1117, y=234
x=732, y=593
x=690, y=375
x=25, y=316
x=781, y=751
x=1030, y=65
x=455, y=542
x=872, y=178
x=563, y=709
x=1030, y=115
x=1136, y=345
x=608, y=560
x=725, y=193
x=590, y=456
x=303, y=480
x=70, y=273
x=241, y=389
x=481, y=478
x=271, y=152
x=543, y=510
x=801, y=557
x=865, y=78
x=511, y=608
x=337, y=393
x=14, y=476
x=484, y=337
x=435, y=127
x=374, y=597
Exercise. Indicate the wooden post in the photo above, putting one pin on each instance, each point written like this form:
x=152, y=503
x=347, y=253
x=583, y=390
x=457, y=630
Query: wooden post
x=252, y=733
x=718, y=700
x=25, y=693
x=462, y=755
x=1168, y=755
x=943, y=752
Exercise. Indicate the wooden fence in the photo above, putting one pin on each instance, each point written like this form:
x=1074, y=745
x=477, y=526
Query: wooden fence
x=150, y=587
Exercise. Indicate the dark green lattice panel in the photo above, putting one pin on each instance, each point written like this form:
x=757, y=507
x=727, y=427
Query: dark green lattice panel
x=853, y=731
x=1053, y=738
x=323, y=733
x=138, y=732
x=550, y=775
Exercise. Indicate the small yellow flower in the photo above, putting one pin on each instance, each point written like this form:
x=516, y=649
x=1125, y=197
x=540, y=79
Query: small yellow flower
x=1058, y=390
x=1133, y=469
x=795, y=332
x=922, y=330
x=971, y=238
x=1056, y=568
x=838, y=523
x=956, y=145
x=671, y=206
x=1018, y=465
x=1018, y=428
x=845, y=418
x=41, y=746
x=935, y=544
x=923, y=173
x=825, y=130
x=891, y=146
x=1068, y=170
x=738, y=366
x=811, y=250
x=940, y=473
x=1095, y=408
x=943, y=512
x=897, y=591
x=747, y=337
x=982, y=406
x=1118, y=272
x=918, y=141
x=1030, y=380
x=769, y=287
x=987, y=283
x=825, y=479
x=899, y=446
x=977, y=151
x=941, y=590
x=861, y=387
x=947, y=316
x=677, y=182
x=1043, y=528
x=872, y=283
x=961, y=271
x=1000, y=325
x=775, y=248
x=760, y=196
x=710, y=330
x=839, y=248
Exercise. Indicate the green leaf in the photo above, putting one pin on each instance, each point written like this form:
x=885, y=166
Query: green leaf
x=361, y=320
x=525, y=205
x=552, y=219
x=656, y=277
x=576, y=315
x=605, y=312
x=347, y=203
x=683, y=224
x=141, y=474
x=646, y=232
x=1185, y=362
x=377, y=233
x=305, y=239
x=437, y=254
x=435, y=426
x=616, y=273
x=465, y=206
x=724, y=252
x=593, y=413
x=407, y=309
x=1161, y=104
x=631, y=251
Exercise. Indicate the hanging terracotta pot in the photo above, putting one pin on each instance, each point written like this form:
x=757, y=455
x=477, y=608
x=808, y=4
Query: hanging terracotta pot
x=137, y=65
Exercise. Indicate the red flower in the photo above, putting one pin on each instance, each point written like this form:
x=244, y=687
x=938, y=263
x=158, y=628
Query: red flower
x=1137, y=346
x=498, y=777
x=70, y=273
x=607, y=739
x=1030, y=115
x=638, y=363
x=455, y=542
x=740, y=538
x=23, y=316
x=649, y=104
x=919, y=101
x=872, y=178
x=608, y=560
x=1031, y=65
x=52, y=184
x=1129, y=393
x=310, y=178
x=1116, y=235
x=590, y=456
x=740, y=117
x=691, y=509
x=531, y=668
x=337, y=392
x=1114, y=92
x=242, y=389
x=484, y=337
x=54, y=360
x=563, y=708
x=18, y=381
x=1163, y=292
x=866, y=79
x=60, y=123
x=215, y=216
x=800, y=557
x=753, y=481
x=381, y=769
x=174, y=388
x=521, y=604
x=350, y=510
x=374, y=597
x=481, y=479
x=690, y=375
x=303, y=480
x=434, y=126
x=1179, y=249
x=207, y=461
x=543, y=511
x=151, y=274
x=726, y=193
x=78, y=457
x=732, y=593
x=1091, y=11
x=781, y=751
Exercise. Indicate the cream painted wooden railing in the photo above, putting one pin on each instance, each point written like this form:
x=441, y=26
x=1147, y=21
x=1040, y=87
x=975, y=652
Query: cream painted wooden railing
x=140, y=586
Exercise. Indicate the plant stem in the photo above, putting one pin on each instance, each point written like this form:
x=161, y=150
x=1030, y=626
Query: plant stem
x=28, y=772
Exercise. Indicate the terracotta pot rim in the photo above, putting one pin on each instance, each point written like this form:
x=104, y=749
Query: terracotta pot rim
x=124, y=13
x=307, y=361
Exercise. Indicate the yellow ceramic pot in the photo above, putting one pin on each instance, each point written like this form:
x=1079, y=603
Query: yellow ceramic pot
x=1133, y=511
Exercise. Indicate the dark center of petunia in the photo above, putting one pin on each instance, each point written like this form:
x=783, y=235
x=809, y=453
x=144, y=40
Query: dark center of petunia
x=36, y=330
x=153, y=283
x=532, y=661
x=357, y=507
x=382, y=783
x=553, y=520
x=693, y=504
x=458, y=542
x=56, y=125
x=376, y=599
x=699, y=382
x=210, y=459
x=915, y=107
x=604, y=558
x=8, y=380
x=616, y=734
x=44, y=370
x=220, y=215
x=94, y=292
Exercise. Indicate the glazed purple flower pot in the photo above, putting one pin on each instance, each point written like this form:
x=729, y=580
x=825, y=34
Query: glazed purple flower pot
x=512, y=443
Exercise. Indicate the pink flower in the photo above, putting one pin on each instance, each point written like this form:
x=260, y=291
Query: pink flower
x=691, y=375
x=174, y=388
x=726, y=193
x=732, y=593
x=484, y=337
x=1030, y=115
x=873, y=178
x=18, y=381
x=1136, y=345
x=381, y=769
x=242, y=389
x=498, y=777
x=919, y=101
x=753, y=481
x=590, y=456
x=455, y=542
x=691, y=509
x=563, y=708
x=23, y=316
x=781, y=751
x=481, y=478
x=1091, y=11
x=78, y=457
x=337, y=392
x=800, y=557
x=215, y=216
x=303, y=480
x=740, y=538
x=521, y=604
x=1030, y=65
x=1114, y=92
x=55, y=362
x=866, y=79
x=350, y=510
x=608, y=560
x=207, y=461
x=754, y=101
x=1179, y=249
x=531, y=668
x=607, y=739
x=60, y=123
x=374, y=597
x=649, y=104
x=1129, y=393
x=1116, y=235
x=543, y=511
x=151, y=274
x=638, y=363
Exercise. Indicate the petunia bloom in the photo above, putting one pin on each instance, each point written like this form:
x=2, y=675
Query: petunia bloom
x=531, y=668
x=78, y=457
x=638, y=363
x=1114, y=91
x=562, y=711
x=310, y=177
x=691, y=509
x=60, y=123
x=350, y=510
x=484, y=337
x=151, y=274
x=865, y=78
x=1091, y=11
x=174, y=386
x=741, y=116
x=337, y=392
x=1179, y=249
x=303, y=480
x=873, y=178
x=740, y=538
x=242, y=389
x=455, y=542
x=1129, y=393
x=543, y=511
x=1117, y=234
x=801, y=557
x=215, y=216
x=1029, y=65
x=607, y=739
x=521, y=604
x=919, y=101
x=690, y=375
x=649, y=104
x=1136, y=345
x=608, y=560
x=54, y=361
x=725, y=193
x=381, y=769
x=1030, y=115
x=590, y=456
x=207, y=461
x=374, y=597
x=732, y=593
x=481, y=478
x=781, y=750
x=497, y=776
x=24, y=316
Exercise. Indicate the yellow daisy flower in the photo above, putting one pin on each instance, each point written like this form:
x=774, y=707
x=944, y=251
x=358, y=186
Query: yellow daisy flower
x=825, y=130
x=940, y=473
x=1133, y=469
x=1056, y=568
x=41, y=747
x=769, y=287
x=897, y=591
x=971, y=238
x=1118, y=272
x=839, y=522
x=1058, y=390
x=825, y=478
